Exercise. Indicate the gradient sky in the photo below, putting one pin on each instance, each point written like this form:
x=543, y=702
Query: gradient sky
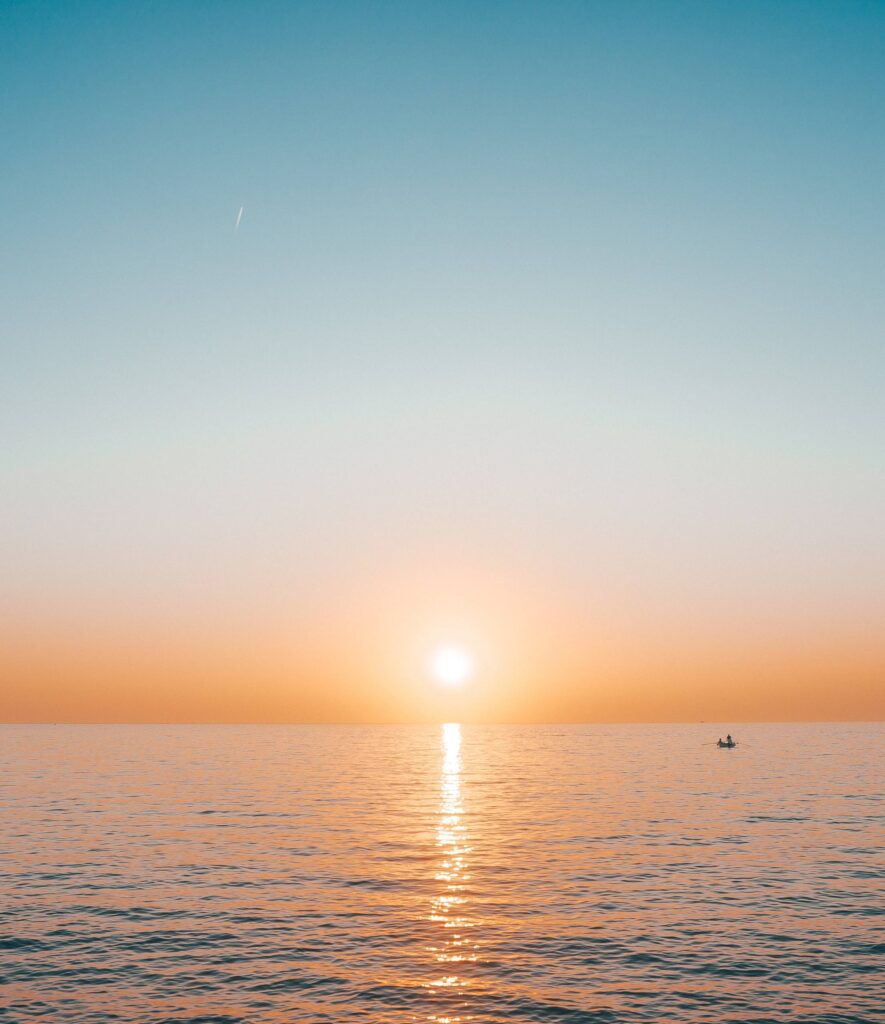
x=556, y=330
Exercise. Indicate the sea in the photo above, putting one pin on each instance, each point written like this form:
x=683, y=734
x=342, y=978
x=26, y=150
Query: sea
x=448, y=873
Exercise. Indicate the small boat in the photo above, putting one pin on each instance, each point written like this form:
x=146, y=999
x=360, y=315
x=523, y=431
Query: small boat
x=728, y=746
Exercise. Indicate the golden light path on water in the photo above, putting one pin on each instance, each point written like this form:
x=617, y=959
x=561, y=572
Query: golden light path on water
x=449, y=907
x=440, y=875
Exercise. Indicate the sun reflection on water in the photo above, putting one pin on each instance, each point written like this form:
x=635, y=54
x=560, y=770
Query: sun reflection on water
x=449, y=906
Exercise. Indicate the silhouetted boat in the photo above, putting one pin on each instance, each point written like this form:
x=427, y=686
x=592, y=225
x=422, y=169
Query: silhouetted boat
x=722, y=743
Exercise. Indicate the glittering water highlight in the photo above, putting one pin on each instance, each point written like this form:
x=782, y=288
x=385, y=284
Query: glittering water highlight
x=440, y=874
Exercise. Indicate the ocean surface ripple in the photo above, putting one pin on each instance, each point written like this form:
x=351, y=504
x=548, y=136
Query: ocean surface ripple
x=271, y=874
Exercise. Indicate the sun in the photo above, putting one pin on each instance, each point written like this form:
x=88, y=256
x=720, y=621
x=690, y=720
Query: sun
x=451, y=665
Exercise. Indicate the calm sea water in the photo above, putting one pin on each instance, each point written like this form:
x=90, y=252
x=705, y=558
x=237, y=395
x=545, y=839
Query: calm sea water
x=447, y=874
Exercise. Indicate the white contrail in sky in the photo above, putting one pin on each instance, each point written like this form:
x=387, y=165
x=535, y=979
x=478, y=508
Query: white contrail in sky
x=239, y=218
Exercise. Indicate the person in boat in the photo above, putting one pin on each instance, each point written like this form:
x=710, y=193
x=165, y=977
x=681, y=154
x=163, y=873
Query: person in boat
x=729, y=740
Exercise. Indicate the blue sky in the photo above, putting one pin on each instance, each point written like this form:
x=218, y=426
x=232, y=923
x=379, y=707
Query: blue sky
x=589, y=290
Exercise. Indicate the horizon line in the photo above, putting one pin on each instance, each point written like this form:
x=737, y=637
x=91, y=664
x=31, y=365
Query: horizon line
x=387, y=724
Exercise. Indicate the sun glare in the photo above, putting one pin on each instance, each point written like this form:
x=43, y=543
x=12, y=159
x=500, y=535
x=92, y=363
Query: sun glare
x=451, y=666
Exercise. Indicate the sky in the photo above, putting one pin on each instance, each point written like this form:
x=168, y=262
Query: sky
x=331, y=334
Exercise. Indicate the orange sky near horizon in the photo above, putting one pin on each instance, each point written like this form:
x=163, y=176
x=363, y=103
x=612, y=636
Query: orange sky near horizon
x=540, y=657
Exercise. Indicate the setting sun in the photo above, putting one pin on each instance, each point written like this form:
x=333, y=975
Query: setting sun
x=451, y=666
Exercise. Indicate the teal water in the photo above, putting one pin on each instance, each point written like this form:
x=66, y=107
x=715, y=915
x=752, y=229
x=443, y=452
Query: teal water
x=260, y=874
